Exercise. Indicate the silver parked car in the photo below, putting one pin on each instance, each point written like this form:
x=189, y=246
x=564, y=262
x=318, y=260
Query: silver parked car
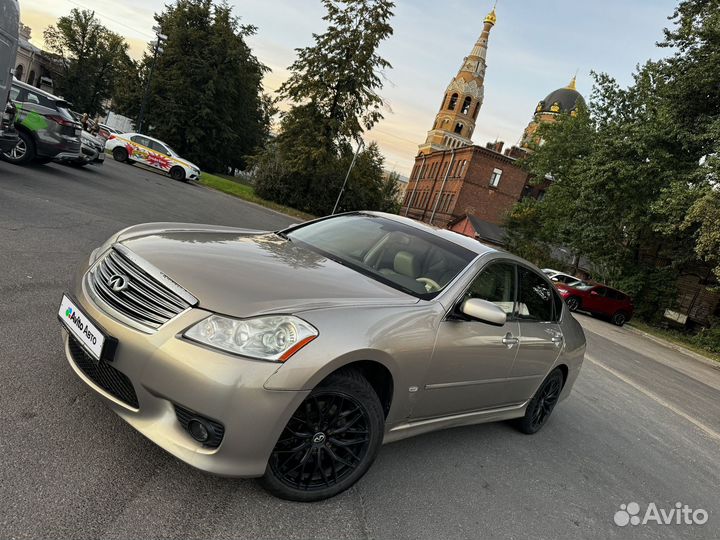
x=294, y=355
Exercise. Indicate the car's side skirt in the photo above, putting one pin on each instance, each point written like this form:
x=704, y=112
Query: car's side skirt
x=410, y=429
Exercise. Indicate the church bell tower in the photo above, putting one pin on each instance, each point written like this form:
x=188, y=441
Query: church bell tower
x=455, y=121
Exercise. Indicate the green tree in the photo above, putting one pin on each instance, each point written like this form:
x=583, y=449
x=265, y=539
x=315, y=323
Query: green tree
x=90, y=56
x=333, y=92
x=206, y=92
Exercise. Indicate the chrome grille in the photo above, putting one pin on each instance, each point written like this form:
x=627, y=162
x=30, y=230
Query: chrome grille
x=145, y=298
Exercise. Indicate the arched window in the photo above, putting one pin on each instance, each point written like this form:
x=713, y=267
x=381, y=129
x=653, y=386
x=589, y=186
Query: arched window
x=19, y=72
x=453, y=102
x=458, y=128
x=466, y=105
x=477, y=108
x=31, y=78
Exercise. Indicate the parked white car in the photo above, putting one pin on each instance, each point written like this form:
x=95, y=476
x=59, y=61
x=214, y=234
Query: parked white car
x=562, y=277
x=138, y=148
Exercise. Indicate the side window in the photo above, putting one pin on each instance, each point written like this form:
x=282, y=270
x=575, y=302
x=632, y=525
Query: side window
x=140, y=140
x=496, y=284
x=159, y=148
x=535, y=297
x=557, y=306
x=600, y=291
x=14, y=93
x=32, y=98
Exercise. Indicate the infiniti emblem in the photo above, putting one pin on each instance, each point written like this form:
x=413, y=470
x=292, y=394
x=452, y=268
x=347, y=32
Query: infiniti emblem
x=319, y=438
x=118, y=282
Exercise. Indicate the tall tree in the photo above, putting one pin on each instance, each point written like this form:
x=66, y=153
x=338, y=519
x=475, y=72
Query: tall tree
x=206, y=92
x=91, y=57
x=333, y=92
x=341, y=73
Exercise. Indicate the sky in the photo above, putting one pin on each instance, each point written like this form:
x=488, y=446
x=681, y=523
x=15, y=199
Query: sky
x=534, y=48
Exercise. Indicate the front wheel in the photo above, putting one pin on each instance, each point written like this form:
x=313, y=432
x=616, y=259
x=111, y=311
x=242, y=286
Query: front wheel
x=177, y=173
x=619, y=318
x=542, y=404
x=330, y=441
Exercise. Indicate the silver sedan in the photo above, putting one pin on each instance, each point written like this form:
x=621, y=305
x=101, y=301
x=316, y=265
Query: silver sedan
x=294, y=355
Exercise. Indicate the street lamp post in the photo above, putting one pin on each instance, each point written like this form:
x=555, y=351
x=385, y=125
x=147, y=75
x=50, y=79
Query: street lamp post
x=161, y=38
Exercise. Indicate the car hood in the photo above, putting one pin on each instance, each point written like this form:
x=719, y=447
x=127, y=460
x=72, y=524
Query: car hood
x=244, y=273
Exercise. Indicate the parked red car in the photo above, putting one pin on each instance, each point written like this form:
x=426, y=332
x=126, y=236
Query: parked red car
x=598, y=300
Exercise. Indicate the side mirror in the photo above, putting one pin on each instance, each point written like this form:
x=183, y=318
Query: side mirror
x=484, y=311
x=554, y=279
x=594, y=293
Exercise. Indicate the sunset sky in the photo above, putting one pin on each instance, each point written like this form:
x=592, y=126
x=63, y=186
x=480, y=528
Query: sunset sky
x=534, y=48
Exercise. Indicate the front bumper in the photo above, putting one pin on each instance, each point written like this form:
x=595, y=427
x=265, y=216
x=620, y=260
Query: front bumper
x=166, y=371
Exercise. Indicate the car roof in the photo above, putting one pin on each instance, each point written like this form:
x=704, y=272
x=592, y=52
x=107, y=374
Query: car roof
x=36, y=90
x=451, y=236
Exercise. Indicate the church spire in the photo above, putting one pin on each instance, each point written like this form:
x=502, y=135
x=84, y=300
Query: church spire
x=455, y=121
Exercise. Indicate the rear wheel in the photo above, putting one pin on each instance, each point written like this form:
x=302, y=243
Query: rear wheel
x=619, y=318
x=177, y=173
x=329, y=443
x=542, y=404
x=23, y=152
x=573, y=303
x=120, y=154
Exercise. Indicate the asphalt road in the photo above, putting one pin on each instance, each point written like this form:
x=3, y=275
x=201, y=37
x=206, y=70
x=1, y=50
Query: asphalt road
x=642, y=425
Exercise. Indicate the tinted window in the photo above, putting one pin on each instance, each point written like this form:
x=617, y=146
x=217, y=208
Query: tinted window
x=557, y=306
x=496, y=284
x=140, y=140
x=535, y=297
x=600, y=291
x=615, y=295
x=158, y=147
x=405, y=257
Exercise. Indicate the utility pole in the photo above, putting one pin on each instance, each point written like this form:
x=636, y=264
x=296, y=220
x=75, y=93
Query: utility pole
x=352, y=164
x=161, y=38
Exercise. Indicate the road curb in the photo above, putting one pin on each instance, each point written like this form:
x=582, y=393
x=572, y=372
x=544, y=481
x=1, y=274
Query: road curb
x=675, y=347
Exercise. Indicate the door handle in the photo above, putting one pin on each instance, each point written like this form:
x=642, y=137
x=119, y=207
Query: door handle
x=510, y=340
x=557, y=340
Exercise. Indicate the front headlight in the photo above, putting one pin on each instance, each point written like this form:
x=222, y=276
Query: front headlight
x=275, y=337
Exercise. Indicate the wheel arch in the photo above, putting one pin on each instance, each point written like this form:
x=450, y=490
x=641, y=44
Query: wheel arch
x=379, y=377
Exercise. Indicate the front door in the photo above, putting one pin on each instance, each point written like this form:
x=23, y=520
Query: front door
x=472, y=360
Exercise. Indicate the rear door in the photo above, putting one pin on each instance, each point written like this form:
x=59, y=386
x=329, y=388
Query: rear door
x=539, y=308
x=140, y=149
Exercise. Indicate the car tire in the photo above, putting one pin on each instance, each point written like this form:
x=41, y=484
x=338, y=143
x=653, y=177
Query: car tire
x=573, y=303
x=177, y=173
x=329, y=443
x=120, y=154
x=619, y=318
x=24, y=151
x=542, y=404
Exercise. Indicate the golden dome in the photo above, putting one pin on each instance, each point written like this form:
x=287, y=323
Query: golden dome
x=491, y=17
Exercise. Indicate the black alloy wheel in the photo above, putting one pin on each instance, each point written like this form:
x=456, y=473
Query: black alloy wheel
x=177, y=173
x=330, y=441
x=542, y=404
x=573, y=303
x=619, y=318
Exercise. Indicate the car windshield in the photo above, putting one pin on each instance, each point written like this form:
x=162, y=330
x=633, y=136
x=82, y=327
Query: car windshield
x=404, y=257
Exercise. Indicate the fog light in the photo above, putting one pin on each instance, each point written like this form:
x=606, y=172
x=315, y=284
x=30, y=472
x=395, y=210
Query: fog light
x=198, y=430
